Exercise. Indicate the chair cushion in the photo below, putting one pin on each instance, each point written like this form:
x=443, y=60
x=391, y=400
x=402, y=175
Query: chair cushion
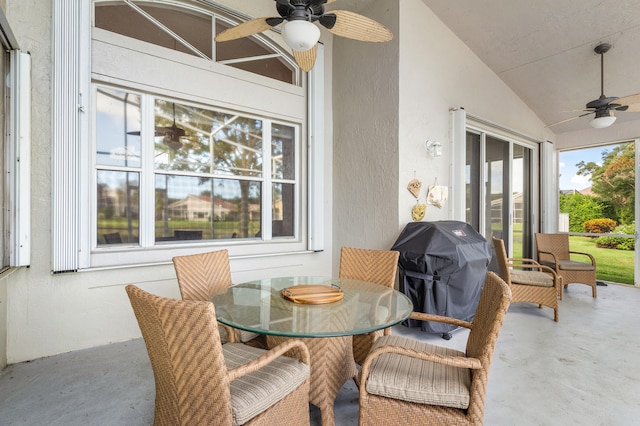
x=531, y=277
x=423, y=382
x=254, y=393
x=572, y=265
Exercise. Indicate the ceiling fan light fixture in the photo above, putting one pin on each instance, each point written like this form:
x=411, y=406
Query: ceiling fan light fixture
x=602, y=122
x=300, y=35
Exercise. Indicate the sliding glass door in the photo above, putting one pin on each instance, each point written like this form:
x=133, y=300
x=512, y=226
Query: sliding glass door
x=499, y=189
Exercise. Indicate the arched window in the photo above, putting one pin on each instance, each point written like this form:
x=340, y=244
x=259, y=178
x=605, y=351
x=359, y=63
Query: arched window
x=191, y=31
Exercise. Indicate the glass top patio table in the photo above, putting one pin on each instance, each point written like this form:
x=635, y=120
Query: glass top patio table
x=259, y=306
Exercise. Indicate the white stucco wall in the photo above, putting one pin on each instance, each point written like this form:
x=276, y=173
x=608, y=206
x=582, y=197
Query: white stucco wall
x=3, y=322
x=365, y=93
x=439, y=72
x=378, y=101
x=49, y=314
x=384, y=102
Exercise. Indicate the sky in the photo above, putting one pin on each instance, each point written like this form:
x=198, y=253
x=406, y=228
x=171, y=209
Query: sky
x=567, y=167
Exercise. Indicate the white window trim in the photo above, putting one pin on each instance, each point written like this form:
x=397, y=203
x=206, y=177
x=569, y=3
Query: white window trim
x=17, y=150
x=19, y=158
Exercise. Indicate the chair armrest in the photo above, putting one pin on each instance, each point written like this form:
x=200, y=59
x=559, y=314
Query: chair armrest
x=593, y=260
x=555, y=258
x=294, y=347
x=541, y=268
x=438, y=318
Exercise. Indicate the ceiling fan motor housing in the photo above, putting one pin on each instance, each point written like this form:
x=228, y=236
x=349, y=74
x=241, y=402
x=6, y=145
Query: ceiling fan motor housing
x=299, y=10
x=600, y=102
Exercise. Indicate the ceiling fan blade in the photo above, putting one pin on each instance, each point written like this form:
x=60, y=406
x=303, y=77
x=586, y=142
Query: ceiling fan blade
x=568, y=119
x=245, y=29
x=357, y=27
x=306, y=59
x=633, y=108
x=628, y=100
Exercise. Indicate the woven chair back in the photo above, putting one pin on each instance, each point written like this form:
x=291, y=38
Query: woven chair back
x=376, y=266
x=200, y=276
x=183, y=343
x=501, y=257
x=557, y=244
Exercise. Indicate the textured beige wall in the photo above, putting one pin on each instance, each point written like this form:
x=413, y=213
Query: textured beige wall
x=50, y=314
x=384, y=102
x=365, y=114
x=3, y=323
x=439, y=72
x=389, y=99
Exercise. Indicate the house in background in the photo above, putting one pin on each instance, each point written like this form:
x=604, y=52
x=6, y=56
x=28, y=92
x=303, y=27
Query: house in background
x=348, y=137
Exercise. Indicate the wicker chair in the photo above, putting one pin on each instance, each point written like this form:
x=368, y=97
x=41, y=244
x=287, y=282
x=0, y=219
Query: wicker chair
x=553, y=251
x=201, y=382
x=200, y=276
x=529, y=281
x=404, y=381
x=376, y=266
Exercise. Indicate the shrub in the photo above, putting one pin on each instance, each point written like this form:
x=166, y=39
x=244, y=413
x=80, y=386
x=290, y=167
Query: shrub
x=599, y=226
x=629, y=229
x=619, y=243
x=580, y=208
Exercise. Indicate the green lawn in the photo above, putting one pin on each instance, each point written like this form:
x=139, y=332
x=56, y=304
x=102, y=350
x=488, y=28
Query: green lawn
x=612, y=265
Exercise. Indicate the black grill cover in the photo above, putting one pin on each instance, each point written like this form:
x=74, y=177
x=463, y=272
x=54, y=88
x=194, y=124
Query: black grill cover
x=442, y=267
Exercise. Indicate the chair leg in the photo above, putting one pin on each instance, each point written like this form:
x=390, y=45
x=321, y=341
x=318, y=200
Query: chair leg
x=555, y=314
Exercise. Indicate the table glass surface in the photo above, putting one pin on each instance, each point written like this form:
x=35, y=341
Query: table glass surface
x=259, y=306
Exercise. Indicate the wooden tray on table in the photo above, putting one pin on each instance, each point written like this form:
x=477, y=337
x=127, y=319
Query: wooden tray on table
x=312, y=294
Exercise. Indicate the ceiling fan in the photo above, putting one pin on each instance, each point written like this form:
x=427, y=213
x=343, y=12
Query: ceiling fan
x=604, y=106
x=171, y=135
x=300, y=32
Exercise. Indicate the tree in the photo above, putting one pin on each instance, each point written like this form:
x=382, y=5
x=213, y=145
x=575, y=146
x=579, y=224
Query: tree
x=613, y=182
x=581, y=208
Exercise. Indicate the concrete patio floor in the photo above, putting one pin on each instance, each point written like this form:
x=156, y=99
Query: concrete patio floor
x=583, y=370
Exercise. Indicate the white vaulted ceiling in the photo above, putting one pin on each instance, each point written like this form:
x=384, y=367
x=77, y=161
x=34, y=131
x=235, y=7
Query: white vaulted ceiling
x=543, y=49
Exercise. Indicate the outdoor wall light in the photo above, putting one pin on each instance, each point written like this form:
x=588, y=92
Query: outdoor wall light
x=300, y=35
x=434, y=148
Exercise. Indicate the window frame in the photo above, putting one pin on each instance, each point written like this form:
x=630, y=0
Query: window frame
x=148, y=172
x=257, y=104
x=15, y=244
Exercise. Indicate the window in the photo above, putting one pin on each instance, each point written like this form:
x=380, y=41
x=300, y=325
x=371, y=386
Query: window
x=174, y=151
x=507, y=173
x=4, y=241
x=15, y=180
x=496, y=187
x=191, y=31
x=211, y=174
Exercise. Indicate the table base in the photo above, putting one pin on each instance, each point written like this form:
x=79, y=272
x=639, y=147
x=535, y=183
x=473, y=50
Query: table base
x=332, y=365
